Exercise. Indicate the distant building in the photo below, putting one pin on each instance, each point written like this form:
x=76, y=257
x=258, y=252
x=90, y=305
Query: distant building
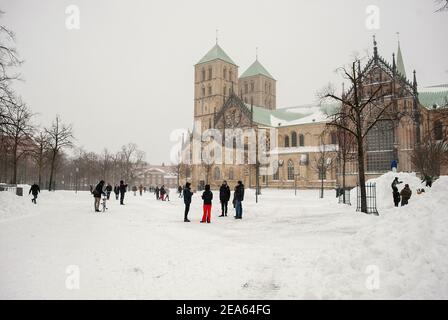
x=157, y=175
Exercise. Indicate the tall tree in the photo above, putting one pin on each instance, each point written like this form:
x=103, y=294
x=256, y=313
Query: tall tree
x=38, y=153
x=60, y=137
x=323, y=161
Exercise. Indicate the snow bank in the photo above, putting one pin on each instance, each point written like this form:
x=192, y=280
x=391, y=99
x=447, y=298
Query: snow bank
x=402, y=255
x=12, y=206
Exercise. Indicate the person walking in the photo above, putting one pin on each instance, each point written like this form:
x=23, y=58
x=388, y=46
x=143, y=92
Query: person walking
x=162, y=192
x=179, y=190
x=122, y=189
x=396, y=196
x=187, y=194
x=167, y=194
x=34, y=190
x=224, y=197
x=108, y=190
x=405, y=195
x=97, y=193
x=116, y=191
x=140, y=189
x=207, y=196
x=238, y=198
x=156, y=191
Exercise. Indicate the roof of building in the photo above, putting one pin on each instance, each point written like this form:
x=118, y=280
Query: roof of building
x=311, y=113
x=216, y=53
x=434, y=98
x=255, y=69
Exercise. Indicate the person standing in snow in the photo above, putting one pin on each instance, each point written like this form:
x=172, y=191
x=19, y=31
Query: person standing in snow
x=238, y=198
x=395, y=183
x=156, y=191
x=396, y=195
x=122, y=189
x=394, y=165
x=224, y=197
x=35, y=190
x=116, y=191
x=140, y=189
x=187, y=194
x=405, y=195
x=207, y=196
x=134, y=189
x=179, y=190
x=97, y=193
x=108, y=190
x=162, y=192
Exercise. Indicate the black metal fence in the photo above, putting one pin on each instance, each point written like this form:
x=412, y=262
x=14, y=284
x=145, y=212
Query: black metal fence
x=371, y=198
x=344, y=196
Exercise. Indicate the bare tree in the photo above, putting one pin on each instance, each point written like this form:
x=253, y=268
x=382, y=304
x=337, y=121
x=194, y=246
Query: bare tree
x=38, y=153
x=442, y=5
x=60, y=137
x=130, y=157
x=20, y=131
x=360, y=111
x=323, y=162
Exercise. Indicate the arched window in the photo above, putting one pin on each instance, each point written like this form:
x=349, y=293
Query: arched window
x=209, y=90
x=231, y=173
x=225, y=73
x=210, y=73
x=230, y=75
x=286, y=141
x=246, y=87
x=380, y=146
x=290, y=170
x=217, y=174
x=203, y=74
x=252, y=86
x=275, y=176
x=203, y=91
x=438, y=130
x=224, y=91
x=301, y=140
x=334, y=139
x=293, y=139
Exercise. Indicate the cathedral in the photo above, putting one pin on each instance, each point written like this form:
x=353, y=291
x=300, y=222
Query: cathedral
x=305, y=149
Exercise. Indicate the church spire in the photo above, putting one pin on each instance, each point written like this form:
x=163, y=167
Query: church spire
x=375, y=49
x=400, y=63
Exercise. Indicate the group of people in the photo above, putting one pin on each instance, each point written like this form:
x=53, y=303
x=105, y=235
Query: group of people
x=162, y=193
x=404, y=195
x=100, y=191
x=207, y=197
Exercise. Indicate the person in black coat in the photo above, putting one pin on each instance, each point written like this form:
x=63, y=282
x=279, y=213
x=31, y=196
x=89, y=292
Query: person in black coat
x=396, y=195
x=224, y=197
x=97, y=193
x=156, y=191
x=108, y=190
x=116, y=191
x=35, y=191
x=187, y=200
x=207, y=196
x=238, y=199
x=122, y=189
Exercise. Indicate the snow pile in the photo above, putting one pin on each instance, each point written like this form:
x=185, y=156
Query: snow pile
x=384, y=188
x=402, y=255
x=12, y=206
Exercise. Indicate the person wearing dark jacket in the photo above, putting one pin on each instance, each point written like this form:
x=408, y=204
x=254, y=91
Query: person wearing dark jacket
x=162, y=192
x=395, y=182
x=187, y=200
x=108, y=190
x=405, y=195
x=35, y=191
x=224, y=197
x=156, y=191
x=116, y=191
x=122, y=189
x=97, y=193
x=238, y=198
x=396, y=196
x=207, y=196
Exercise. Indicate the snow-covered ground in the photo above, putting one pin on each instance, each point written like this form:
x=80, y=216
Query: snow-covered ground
x=286, y=247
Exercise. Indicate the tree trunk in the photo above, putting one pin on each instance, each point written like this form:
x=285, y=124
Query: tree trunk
x=14, y=164
x=362, y=178
x=343, y=178
x=53, y=160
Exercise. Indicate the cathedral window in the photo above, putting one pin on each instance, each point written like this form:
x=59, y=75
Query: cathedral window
x=293, y=139
x=290, y=170
x=230, y=75
x=203, y=91
x=209, y=90
x=286, y=141
x=301, y=140
x=438, y=130
x=225, y=73
x=380, y=146
x=217, y=174
x=203, y=74
x=209, y=73
x=231, y=174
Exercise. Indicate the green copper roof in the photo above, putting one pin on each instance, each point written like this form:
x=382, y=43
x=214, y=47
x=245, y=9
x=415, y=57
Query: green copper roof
x=216, y=53
x=400, y=64
x=255, y=69
x=428, y=99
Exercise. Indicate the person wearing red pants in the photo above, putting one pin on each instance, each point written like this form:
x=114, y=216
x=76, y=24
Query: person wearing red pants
x=207, y=196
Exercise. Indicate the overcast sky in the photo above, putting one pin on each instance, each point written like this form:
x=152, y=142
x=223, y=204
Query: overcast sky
x=127, y=74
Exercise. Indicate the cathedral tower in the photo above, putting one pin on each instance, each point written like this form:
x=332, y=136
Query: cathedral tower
x=215, y=76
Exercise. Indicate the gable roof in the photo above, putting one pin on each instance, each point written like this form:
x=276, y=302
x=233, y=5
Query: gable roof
x=216, y=53
x=255, y=69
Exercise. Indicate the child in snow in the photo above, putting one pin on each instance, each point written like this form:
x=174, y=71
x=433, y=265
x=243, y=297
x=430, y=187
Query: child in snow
x=396, y=195
x=405, y=195
x=207, y=196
